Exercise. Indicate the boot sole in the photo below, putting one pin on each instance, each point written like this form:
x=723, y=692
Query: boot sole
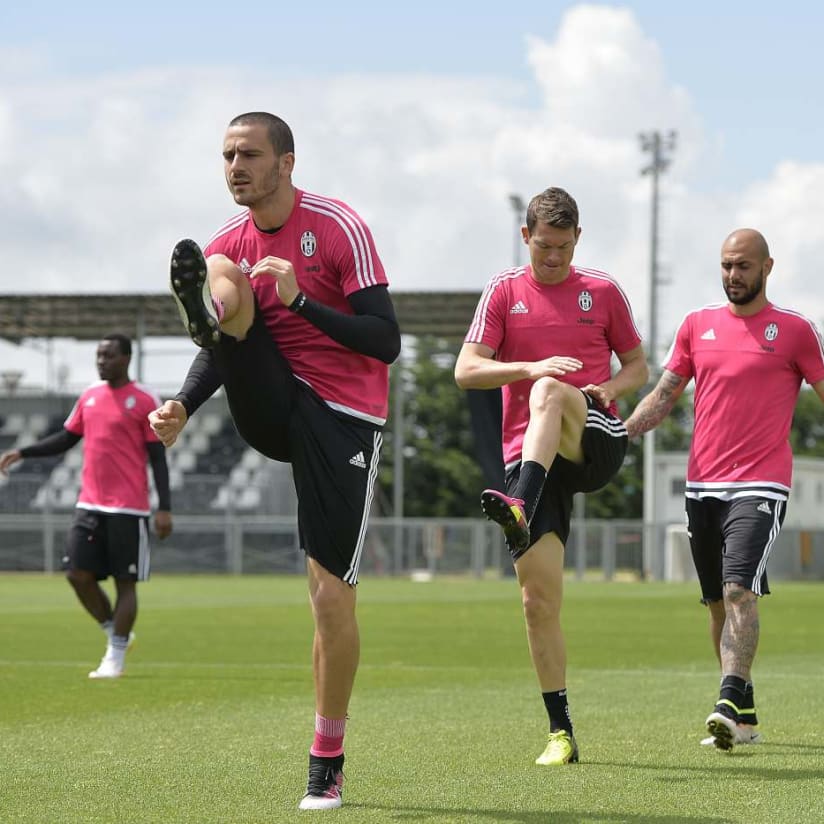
x=188, y=277
x=498, y=510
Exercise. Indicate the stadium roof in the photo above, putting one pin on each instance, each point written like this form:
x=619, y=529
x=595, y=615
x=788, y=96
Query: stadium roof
x=89, y=317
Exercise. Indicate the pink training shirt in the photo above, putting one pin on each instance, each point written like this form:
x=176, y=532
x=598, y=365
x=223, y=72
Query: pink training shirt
x=748, y=373
x=587, y=316
x=115, y=429
x=333, y=254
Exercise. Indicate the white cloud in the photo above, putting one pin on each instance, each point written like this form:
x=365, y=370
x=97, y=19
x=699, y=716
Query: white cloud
x=602, y=75
x=100, y=175
x=789, y=209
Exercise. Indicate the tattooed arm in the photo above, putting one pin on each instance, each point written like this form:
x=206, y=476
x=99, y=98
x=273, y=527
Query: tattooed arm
x=657, y=405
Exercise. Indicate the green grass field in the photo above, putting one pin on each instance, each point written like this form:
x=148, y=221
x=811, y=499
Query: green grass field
x=213, y=721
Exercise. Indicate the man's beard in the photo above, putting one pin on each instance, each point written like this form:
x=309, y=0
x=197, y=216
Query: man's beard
x=251, y=198
x=749, y=295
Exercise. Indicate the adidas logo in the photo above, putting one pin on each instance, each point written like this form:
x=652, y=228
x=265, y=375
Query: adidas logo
x=764, y=507
x=708, y=335
x=358, y=460
x=519, y=309
x=245, y=266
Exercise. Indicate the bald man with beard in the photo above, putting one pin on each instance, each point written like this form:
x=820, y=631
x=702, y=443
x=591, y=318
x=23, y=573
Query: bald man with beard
x=748, y=358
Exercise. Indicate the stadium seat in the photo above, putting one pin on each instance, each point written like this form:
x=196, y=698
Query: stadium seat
x=252, y=459
x=74, y=457
x=66, y=497
x=221, y=500
x=211, y=424
x=15, y=424
x=182, y=459
x=199, y=443
x=239, y=476
x=61, y=476
x=249, y=498
x=38, y=424
x=42, y=497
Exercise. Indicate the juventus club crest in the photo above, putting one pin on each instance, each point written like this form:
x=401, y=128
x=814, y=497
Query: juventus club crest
x=585, y=301
x=308, y=243
x=771, y=332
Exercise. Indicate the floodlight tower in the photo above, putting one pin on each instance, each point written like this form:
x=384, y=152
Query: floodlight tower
x=519, y=209
x=659, y=147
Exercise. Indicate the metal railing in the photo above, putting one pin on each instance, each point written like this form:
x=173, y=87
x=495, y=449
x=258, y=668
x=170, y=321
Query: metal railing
x=222, y=529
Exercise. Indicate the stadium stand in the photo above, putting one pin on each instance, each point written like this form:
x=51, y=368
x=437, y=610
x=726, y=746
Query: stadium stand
x=214, y=477
x=211, y=470
x=16, y=431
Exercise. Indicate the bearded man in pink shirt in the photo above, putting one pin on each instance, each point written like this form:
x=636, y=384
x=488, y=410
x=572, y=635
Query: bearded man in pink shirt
x=748, y=358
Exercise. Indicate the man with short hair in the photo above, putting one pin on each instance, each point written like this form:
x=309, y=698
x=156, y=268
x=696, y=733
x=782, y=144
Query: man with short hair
x=109, y=535
x=546, y=333
x=748, y=358
x=290, y=303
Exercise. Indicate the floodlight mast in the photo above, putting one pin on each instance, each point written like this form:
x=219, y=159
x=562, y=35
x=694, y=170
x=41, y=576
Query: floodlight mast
x=659, y=146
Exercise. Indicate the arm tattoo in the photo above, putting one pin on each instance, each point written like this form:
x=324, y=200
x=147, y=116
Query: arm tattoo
x=656, y=406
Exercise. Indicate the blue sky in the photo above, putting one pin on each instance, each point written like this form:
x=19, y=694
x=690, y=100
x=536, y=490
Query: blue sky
x=753, y=68
x=424, y=116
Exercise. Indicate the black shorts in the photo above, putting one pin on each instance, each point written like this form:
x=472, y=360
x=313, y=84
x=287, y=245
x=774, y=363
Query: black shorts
x=334, y=456
x=108, y=544
x=731, y=542
x=604, y=444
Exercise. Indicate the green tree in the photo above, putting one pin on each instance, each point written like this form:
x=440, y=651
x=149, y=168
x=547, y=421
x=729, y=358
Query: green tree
x=623, y=496
x=807, y=434
x=441, y=475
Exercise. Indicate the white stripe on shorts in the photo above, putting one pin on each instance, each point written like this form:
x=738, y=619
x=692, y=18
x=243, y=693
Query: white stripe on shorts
x=351, y=576
x=598, y=419
x=142, y=550
x=762, y=564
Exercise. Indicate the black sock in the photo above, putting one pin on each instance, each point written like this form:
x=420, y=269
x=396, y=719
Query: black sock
x=733, y=691
x=530, y=486
x=747, y=711
x=558, y=710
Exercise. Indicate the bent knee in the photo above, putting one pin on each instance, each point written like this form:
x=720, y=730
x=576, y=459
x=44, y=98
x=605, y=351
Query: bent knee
x=546, y=387
x=223, y=266
x=550, y=393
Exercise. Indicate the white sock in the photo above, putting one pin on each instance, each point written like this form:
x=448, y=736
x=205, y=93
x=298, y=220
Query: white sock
x=107, y=627
x=116, y=649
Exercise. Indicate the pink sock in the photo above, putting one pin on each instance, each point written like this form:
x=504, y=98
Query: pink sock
x=219, y=308
x=328, y=736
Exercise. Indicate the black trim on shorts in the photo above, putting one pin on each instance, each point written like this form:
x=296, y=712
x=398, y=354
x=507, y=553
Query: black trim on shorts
x=604, y=443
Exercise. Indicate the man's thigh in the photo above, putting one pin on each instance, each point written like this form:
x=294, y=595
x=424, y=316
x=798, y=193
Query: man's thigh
x=260, y=389
x=335, y=467
x=750, y=528
x=706, y=545
x=86, y=545
x=127, y=539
